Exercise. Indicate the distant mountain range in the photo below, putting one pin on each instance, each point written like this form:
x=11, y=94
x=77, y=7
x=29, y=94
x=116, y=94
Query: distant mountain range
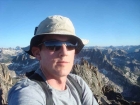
x=7, y=54
x=119, y=66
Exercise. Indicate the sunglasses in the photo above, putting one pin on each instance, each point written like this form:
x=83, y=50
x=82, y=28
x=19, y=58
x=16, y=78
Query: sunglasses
x=55, y=45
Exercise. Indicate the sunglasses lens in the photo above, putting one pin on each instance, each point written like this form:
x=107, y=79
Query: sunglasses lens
x=53, y=48
x=56, y=45
x=71, y=47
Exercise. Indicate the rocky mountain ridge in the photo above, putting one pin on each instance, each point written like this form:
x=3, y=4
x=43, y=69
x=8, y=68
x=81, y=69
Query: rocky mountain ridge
x=117, y=66
x=7, y=54
x=122, y=72
x=104, y=94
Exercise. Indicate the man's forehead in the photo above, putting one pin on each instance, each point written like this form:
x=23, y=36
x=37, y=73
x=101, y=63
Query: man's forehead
x=58, y=37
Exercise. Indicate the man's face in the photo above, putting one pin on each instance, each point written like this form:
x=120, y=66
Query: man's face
x=56, y=63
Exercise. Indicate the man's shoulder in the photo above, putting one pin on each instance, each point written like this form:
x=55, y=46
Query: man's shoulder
x=87, y=93
x=24, y=85
x=24, y=82
x=78, y=79
x=25, y=89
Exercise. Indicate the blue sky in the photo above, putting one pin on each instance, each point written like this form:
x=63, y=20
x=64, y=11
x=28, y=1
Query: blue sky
x=103, y=22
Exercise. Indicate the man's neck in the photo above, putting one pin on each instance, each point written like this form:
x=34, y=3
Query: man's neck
x=55, y=81
x=59, y=84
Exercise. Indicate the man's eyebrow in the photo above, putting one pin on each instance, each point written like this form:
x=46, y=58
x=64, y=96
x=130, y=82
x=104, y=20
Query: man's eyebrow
x=48, y=39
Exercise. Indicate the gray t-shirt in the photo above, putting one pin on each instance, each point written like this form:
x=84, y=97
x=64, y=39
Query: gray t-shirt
x=27, y=92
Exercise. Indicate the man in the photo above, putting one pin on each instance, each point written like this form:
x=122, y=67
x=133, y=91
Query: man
x=54, y=44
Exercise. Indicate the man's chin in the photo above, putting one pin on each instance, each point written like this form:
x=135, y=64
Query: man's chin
x=63, y=74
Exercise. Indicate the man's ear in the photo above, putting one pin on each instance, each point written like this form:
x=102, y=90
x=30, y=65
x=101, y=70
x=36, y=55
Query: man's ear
x=36, y=52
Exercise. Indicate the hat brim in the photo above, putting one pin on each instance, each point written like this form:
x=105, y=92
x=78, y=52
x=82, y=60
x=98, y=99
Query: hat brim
x=82, y=43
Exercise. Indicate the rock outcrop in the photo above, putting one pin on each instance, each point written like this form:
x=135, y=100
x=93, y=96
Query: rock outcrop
x=93, y=78
x=5, y=83
x=117, y=67
x=105, y=94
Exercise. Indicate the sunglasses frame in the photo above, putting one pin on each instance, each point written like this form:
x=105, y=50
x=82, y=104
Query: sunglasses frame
x=55, y=47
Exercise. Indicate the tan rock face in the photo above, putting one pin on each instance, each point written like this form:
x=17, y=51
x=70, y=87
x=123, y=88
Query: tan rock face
x=5, y=83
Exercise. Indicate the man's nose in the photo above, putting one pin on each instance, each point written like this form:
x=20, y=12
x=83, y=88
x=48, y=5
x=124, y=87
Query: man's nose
x=63, y=50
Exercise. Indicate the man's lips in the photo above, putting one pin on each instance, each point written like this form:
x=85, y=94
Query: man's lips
x=62, y=62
